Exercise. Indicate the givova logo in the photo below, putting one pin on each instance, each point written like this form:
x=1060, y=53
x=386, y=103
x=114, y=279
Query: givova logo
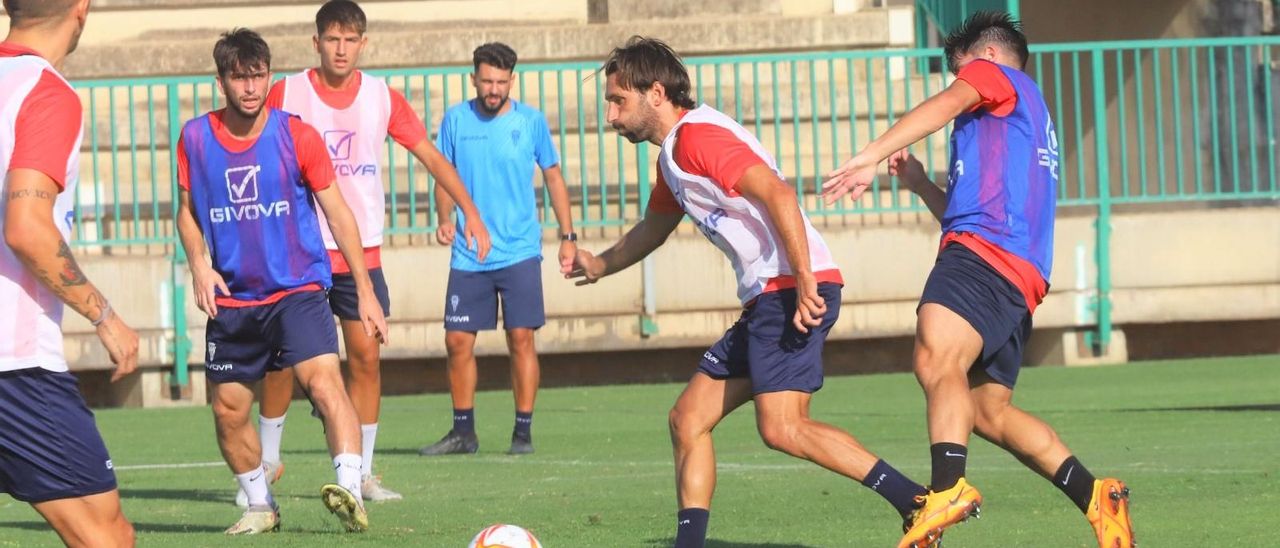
x=339, y=142
x=242, y=190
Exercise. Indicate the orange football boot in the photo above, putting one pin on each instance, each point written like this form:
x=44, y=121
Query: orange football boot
x=939, y=511
x=1109, y=514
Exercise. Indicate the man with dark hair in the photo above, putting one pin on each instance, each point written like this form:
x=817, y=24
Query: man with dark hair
x=250, y=179
x=718, y=174
x=51, y=454
x=494, y=142
x=992, y=270
x=354, y=113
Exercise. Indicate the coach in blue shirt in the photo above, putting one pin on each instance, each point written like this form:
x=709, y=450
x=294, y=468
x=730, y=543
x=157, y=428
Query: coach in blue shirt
x=494, y=142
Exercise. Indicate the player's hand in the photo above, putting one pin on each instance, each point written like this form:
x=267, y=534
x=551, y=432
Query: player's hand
x=206, y=282
x=371, y=316
x=568, y=253
x=852, y=178
x=121, y=343
x=586, y=266
x=477, y=236
x=445, y=232
x=909, y=170
x=809, y=304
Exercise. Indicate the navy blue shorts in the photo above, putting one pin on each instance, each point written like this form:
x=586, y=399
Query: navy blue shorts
x=471, y=301
x=765, y=346
x=244, y=343
x=345, y=303
x=50, y=448
x=968, y=286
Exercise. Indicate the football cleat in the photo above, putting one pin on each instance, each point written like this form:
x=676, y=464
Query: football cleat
x=1108, y=513
x=257, y=519
x=371, y=489
x=520, y=445
x=452, y=443
x=345, y=505
x=275, y=470
x=939, y=511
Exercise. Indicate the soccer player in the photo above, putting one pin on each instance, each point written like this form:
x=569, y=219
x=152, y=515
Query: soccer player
x=717, y=173
x=250, y=180
x=354, y=113
x=51, y=455
x=992, y=270
x=494, y=142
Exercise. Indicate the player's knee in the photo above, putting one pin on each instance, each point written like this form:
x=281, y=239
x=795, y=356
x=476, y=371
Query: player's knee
x=780, y=436
x=520, y=341
x=684, y=426
x=225, y=412
x=458, y=344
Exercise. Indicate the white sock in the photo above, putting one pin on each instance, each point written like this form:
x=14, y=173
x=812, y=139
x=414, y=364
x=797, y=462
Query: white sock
x=254, y=483
x=347, y=467
x=368, y=435
x=270, y=431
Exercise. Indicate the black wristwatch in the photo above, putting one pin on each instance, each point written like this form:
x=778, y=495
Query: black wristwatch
x=569, y=237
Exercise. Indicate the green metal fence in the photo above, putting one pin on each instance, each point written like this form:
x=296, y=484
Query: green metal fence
x=1138, y=122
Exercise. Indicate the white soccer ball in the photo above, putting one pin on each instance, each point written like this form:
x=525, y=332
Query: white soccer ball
x=504, y=536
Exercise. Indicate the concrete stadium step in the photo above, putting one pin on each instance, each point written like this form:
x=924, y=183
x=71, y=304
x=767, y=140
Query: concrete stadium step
x=401, y=41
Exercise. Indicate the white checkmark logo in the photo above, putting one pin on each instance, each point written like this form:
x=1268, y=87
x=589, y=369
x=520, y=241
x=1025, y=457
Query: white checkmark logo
x=242, y=183
x=339, y=144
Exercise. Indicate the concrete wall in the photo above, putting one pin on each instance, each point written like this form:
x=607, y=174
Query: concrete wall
x=1168, y=267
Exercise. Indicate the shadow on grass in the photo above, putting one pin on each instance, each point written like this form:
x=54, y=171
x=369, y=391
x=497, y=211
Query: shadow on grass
x=1227, y=408
x=138, y=527
x=197, y=495
x=712, y=543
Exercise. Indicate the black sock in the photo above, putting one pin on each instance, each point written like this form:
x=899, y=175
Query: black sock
x=524, y=422
x=948, y=465
x=896, y=488
x=464, y=421
x=691, y=527
x=1075, y=481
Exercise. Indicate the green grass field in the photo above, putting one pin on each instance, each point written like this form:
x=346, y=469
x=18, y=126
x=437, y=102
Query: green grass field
x=1198, y=441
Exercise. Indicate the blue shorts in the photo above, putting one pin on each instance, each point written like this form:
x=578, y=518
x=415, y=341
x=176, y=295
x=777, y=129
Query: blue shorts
x=344, y=302
x=471, y=301
x=765, y=346
x=50, y=448
x=965, y=284
x=244, y=343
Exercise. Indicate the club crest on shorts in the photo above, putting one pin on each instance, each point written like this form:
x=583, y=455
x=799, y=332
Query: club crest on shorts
x=453, y=302
x=213, y=347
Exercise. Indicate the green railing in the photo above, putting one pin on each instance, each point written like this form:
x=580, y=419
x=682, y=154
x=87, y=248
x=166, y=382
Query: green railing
x=934, y=17
x=1138, y=122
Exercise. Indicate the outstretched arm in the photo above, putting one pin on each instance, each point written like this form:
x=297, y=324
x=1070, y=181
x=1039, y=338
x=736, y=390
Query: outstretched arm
x=636, y=244
x=31, y=234
x=857, y=174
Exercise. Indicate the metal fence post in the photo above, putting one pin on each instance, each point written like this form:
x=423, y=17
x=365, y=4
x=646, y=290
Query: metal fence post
x=1101, y=338
x=648, y=323
x=181, y=346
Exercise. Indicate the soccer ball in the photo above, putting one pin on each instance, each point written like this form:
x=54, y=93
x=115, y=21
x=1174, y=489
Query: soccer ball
x=504, y=536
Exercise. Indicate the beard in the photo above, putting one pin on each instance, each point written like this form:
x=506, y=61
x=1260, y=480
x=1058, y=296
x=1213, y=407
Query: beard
x=484, y=104
x=642, y=129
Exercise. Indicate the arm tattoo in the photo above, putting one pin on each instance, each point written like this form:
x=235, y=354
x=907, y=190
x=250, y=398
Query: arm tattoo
x=30, y=193
x=71, y=274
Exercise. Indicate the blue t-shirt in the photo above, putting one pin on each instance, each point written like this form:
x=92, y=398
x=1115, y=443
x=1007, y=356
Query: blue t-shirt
x=494, y=157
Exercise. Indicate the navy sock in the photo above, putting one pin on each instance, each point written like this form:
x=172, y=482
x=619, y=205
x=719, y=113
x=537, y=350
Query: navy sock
x=1075, y=481
x=948, y=465
x=896, y=488
x=691, y=527
x=464, y=421
x=524, y=422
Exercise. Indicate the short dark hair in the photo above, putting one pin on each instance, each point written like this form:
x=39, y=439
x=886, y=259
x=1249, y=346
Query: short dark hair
x=240, y=49
x=983, y=28
x=22, y=12
x=643, y=61
x=344, y=13
x=494, y=54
